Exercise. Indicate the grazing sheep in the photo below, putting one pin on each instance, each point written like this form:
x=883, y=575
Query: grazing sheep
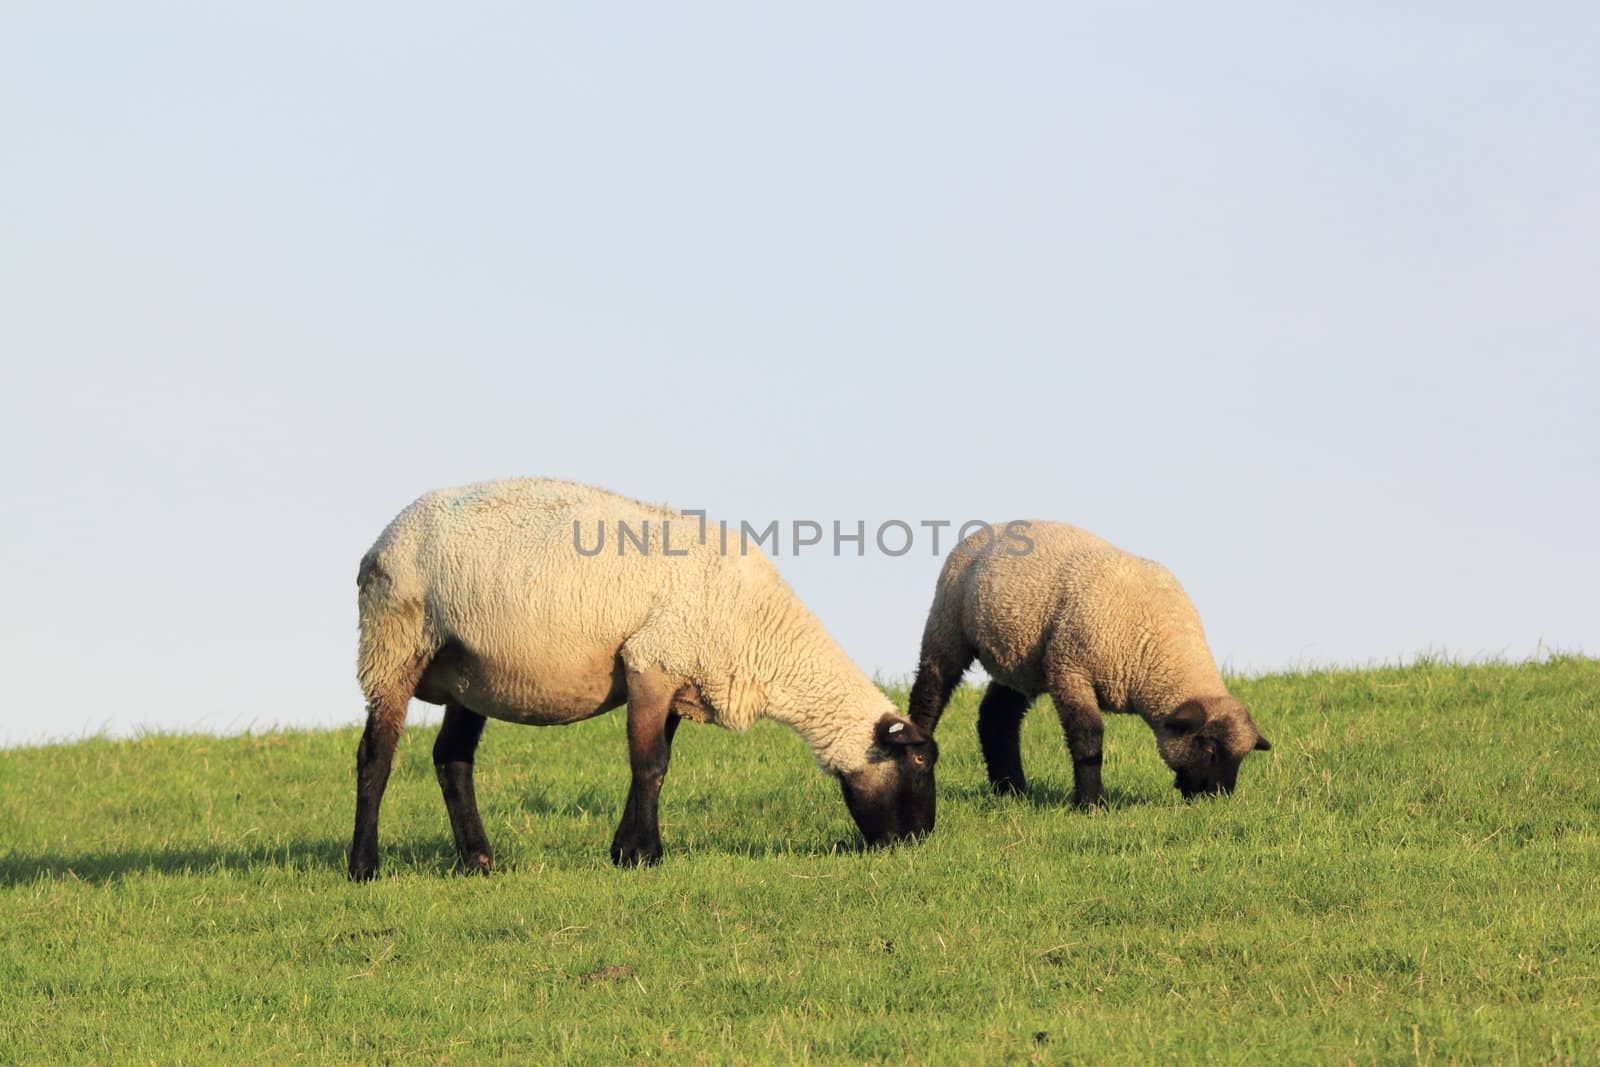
x=492, y=600
x=1050, y=608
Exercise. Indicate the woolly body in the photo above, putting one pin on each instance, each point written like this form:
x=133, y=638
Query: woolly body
x=485, y=581
x=1076, y=608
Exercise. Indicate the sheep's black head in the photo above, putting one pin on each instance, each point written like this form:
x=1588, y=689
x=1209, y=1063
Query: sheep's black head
x=892, y=796
x=1204, y=741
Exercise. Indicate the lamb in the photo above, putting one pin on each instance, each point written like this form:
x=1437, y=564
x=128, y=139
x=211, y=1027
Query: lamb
x=1050, y=608
x=491, y=600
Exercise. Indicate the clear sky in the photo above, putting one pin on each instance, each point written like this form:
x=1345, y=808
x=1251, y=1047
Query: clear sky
x=1304, y=303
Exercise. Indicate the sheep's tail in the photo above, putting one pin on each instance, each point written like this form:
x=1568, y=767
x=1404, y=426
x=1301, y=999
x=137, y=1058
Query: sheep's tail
x=394, y=647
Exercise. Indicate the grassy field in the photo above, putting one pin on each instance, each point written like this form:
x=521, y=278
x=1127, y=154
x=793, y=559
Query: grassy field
x=1413, y=874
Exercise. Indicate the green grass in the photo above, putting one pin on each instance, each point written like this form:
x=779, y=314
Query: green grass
x=1412, y=874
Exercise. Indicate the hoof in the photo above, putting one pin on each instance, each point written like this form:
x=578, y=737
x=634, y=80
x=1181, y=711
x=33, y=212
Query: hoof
x=477, y=862
x=362, y=871
x=1008, y=787
x=1090, y=803
x=630, y=855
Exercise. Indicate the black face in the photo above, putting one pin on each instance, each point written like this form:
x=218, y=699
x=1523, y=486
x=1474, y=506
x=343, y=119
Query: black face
x=1213, y=771
x=893, y=797
x=1205, y=741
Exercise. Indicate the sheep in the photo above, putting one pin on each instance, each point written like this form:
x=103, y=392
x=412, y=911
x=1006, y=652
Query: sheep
x=492, y=600
x=1050, y=608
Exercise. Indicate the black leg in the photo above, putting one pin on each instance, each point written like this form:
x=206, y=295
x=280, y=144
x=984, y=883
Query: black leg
x=374, y=757
x=651, y=724
x=999, y=736
x=452, y=762
x=1082, y=723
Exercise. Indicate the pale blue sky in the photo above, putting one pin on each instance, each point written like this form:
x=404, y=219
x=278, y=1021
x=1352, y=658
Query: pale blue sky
x=1300, y=302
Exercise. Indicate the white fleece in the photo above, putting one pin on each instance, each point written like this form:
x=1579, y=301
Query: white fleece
x=481, y=591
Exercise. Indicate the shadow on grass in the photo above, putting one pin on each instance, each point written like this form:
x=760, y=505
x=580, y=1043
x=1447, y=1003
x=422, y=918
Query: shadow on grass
x=410, y=855
x=97, y=867
x=1039, y=794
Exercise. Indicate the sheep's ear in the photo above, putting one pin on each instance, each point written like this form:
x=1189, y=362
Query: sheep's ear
x=1262, y=744
x=894, y=731
x=1186, y=718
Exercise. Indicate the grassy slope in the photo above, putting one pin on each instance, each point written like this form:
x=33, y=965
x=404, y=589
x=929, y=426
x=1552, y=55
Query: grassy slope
x=1413, y=873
